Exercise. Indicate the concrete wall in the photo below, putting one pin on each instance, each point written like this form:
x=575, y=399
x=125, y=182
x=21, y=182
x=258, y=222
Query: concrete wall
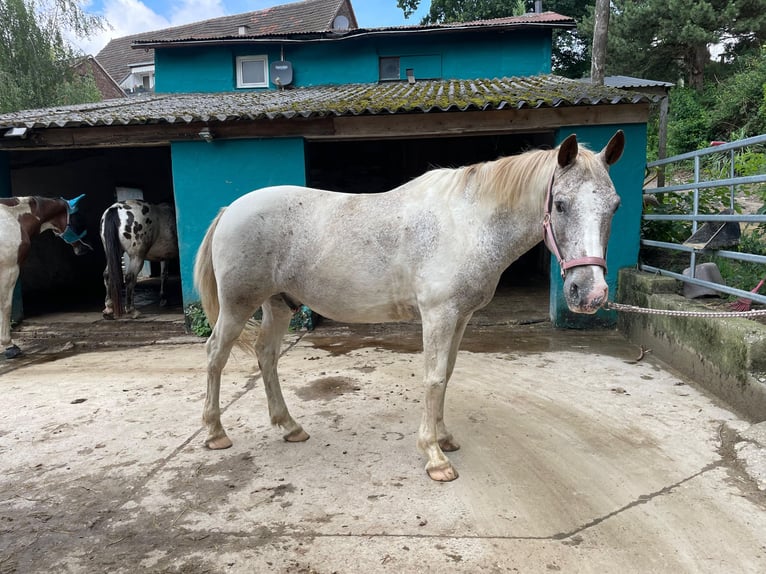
x=628, y=176
x=209, y=176
x=726, y=357
x=484, y=54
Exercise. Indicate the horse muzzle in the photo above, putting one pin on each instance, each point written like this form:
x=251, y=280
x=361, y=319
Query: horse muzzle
x=81, y=248
x=585, y=289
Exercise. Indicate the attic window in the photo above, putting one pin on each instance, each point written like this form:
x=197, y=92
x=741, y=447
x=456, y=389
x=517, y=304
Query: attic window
x=252, y=72
x=388, y=68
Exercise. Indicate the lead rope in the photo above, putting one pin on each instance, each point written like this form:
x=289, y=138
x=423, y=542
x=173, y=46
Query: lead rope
x=610, y=306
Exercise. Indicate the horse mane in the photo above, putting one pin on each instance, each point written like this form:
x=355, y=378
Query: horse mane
x=508, y=182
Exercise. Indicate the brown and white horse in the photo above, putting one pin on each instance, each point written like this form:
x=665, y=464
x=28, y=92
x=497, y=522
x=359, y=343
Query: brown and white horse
x=143, y=231
x=433, y=248
x=21, y=218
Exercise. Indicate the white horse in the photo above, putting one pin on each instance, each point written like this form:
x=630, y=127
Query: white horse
x=145, y=231
x=21, y=218
x=433, y=248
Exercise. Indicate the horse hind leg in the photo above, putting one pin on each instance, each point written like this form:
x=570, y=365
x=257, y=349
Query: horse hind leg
x=276, y=320
x=135, y=263
x=108, y=311
x=218, y=347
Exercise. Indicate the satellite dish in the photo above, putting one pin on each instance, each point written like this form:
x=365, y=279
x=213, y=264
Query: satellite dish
x=281, y=73
x=340, y=23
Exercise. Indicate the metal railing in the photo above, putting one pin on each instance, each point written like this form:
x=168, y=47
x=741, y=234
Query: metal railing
x=696, y=187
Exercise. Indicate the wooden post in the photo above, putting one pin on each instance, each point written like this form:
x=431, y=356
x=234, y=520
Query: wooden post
x=663, y=136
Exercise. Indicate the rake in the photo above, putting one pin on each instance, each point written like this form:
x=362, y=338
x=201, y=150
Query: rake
x=743, y=303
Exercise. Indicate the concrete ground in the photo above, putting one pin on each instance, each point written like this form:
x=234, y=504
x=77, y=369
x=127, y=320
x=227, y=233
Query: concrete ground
x=575, y=457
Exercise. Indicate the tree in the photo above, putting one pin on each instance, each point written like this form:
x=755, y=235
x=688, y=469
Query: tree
x=668, y=39
x=35, y=60
x=600, y=37
x=569, y=49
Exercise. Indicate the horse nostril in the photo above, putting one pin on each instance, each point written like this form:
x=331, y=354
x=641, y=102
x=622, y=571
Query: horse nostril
x=574, y=291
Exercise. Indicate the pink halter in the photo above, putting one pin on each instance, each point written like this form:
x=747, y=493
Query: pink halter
x=550, y=240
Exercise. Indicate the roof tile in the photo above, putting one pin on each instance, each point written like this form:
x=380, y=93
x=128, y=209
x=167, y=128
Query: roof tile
x=545, y=91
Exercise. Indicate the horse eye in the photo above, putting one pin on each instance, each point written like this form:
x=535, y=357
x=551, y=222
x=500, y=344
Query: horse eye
x=561, y=205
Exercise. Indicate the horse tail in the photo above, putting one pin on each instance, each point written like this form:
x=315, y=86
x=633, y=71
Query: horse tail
x=204, y=275
x=113, y=252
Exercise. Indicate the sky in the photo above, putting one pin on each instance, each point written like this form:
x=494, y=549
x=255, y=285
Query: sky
x=128, y=17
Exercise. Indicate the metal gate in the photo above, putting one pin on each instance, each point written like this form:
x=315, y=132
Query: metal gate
x=697, y=187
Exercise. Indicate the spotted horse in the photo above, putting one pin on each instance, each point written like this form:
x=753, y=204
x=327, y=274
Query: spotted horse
x=21, y=218
x=143, y=231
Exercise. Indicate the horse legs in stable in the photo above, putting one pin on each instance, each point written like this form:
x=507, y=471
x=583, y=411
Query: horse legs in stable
x=163, y=279
x=131, y=276
x=276, y=320
x=441, y=339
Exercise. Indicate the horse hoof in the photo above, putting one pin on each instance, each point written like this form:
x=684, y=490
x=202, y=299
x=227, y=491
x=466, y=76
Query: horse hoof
x=442, y=473
x=298, y=435
x=12, y=352
x=219, y=443
x=449, y=445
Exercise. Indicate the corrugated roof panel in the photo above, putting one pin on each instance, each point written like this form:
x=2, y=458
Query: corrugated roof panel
x=350, y=99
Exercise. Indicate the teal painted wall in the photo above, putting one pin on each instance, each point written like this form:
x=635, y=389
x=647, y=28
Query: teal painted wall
x=485, y=54
x=628, y=176
x=208, y=176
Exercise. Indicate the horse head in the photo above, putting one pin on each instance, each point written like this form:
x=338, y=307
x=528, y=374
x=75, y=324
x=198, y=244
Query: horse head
x=70, y=226
x=579, y=208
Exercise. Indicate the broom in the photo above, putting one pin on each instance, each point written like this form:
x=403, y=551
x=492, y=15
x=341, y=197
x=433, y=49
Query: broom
x=743, y=303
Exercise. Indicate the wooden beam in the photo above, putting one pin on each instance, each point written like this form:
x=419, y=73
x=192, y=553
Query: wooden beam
x=164, y=134
x=390, y=126
x=436, y=124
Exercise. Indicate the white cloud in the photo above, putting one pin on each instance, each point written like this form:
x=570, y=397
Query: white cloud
x=127, y=17
x=195, y=11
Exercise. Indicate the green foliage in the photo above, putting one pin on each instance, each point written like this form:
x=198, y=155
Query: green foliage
x=737, y=102
x=689, y=125
x=196, y=321
x=743, y=274
x=76, y=90
x=35, y=60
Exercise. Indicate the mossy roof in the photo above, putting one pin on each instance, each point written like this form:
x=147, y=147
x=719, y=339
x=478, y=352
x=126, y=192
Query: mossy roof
x=544, y=91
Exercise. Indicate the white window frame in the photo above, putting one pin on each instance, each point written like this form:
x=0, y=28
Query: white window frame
x=265, y=60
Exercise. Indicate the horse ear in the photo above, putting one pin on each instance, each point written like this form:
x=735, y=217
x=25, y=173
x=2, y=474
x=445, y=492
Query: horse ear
x=613, y=150
x=568, y=151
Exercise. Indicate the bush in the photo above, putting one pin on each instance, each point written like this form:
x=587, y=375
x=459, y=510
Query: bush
x=196, y=321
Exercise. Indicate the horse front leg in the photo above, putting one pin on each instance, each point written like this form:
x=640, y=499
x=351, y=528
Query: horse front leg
x=441, y=338
x=7, y=283
x=276, y=320
x=445, y=438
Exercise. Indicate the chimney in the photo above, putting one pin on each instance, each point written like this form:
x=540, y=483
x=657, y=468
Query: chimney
x=538, y=6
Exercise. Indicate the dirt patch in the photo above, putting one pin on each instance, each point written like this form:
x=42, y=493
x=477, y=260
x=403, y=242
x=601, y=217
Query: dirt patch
x=327, y=388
